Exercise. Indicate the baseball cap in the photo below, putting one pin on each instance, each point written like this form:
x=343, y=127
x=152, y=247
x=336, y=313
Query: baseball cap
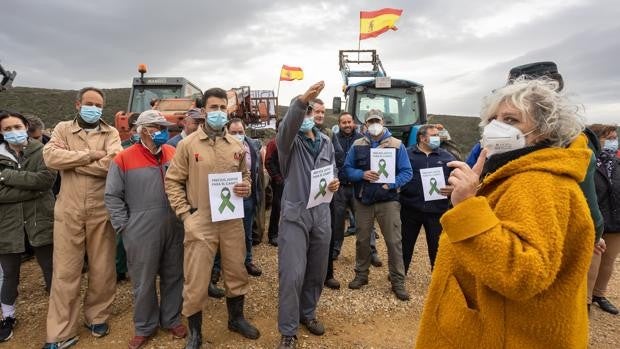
x=374, y=114
x=195, y=113
x=152, y=117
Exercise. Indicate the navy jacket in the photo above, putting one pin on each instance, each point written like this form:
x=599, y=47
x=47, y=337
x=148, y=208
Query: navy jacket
x=358, y=161
x=411, y=195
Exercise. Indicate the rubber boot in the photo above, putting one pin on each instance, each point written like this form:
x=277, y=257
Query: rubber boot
x=236, y=320
x=194, y=339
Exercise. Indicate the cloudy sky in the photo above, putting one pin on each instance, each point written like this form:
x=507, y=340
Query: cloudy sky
x=459, y=50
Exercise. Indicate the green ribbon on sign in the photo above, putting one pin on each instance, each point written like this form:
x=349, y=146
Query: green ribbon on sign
x=434, y=188
x=382, y=170
x=226, y=200
x=322, y=186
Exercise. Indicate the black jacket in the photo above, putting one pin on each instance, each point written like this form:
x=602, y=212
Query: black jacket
x=345, y=142
x=411, y=195
x=608, y=193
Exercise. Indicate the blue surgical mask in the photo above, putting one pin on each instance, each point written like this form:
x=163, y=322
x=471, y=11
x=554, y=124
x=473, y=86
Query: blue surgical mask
x=217, y=119
x=16, y=137
x=240, y=138
x=434, y=142
x=307, y=125
x=160, y=137
x=135, y=138
x=90, y=113
x=609, y=144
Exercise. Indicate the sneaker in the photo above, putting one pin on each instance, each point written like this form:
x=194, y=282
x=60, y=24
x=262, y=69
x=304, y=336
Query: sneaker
x=375, y=261
x=179, y=331
x=605, y=304
x=314, y=326
x=6, y=328
x=138, y=342
x=62, y=344
x=332, y=283
x=401, y=292
x=288, y=342
x=252, y=269
x=98, y=330
x=358, y=282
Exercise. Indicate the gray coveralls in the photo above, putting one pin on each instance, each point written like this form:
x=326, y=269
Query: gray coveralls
x=304, y=234
x=152, y=235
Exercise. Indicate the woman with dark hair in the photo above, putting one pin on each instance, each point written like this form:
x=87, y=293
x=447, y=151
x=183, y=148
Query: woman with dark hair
x=26, y=209
x=607, y=180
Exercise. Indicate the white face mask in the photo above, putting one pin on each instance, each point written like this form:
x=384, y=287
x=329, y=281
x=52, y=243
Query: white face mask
x=375, y=129
x=499, y=137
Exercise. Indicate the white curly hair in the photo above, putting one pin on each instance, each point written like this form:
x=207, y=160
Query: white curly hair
x=558, y=121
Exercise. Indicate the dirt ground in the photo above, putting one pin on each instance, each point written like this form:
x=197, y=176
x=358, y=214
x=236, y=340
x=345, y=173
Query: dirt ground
x=368, y=318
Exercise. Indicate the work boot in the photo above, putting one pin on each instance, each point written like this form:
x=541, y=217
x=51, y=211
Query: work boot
x=236, y=320
x=400, y=291
x=194, y=339
x=332, y=283
x=358, y=282
x=215, y=292
x=313, y=326
x=253, y=269
x=288, y=342
x=375, y=261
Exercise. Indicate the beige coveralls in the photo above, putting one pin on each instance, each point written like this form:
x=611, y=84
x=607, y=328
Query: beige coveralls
x=187, y=187
x=81, y=224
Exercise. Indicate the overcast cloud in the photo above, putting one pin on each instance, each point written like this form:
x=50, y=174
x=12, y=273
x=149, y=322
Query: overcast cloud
x=459, y=50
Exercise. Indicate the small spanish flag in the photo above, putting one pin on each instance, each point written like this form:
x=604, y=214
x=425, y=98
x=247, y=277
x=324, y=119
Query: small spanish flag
x=291, y=73
x=375, y=23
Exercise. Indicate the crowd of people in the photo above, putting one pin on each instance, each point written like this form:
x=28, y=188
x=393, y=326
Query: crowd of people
x=508, y=269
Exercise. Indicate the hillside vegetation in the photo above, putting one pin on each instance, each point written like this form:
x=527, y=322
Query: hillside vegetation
x=53, y=106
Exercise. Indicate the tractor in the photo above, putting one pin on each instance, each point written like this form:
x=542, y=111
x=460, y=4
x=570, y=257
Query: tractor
x=173, y=96
x=401, y=101
x=7, y=78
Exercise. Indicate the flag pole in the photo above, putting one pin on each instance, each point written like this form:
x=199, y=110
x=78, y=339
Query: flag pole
x=359, y=38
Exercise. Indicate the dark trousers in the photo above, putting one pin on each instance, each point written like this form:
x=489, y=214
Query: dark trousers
x=121, y=256
x=249, y=205
x=412, y=220
x=332, y=242
x=342, y=207
x=274, y=218
x=11, y=263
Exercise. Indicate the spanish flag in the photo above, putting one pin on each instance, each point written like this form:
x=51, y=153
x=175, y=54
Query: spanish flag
x=291, y=73
x=375, y=23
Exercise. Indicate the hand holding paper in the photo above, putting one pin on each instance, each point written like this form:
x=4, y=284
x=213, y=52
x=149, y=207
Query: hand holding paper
x=242, y=189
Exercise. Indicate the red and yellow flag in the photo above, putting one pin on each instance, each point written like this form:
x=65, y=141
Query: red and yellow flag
x=291, y=73
x=375, y=23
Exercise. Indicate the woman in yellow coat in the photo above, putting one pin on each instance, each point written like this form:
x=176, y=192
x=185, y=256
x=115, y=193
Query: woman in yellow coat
x=516, y=246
